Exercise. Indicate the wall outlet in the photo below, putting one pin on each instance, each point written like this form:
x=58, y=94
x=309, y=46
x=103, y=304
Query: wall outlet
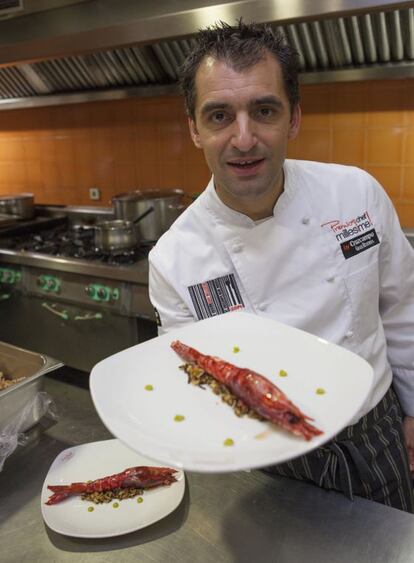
x=94, y=193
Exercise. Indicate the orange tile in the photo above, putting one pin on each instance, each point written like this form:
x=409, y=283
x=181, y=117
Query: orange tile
x=348, y=146
x=82, y=149
x=314, y=144
x=32, y=147
x=408, y=183
x=34, y=174
x=408, y=157
x=102, y=145
x=123, y=143
x=87, y=175
x=125, y=176
x=384, y=146
x=316, y=106
x=405, y=212
x=67, y=175
x=349, y=105
x=63, y=145
x=50, y=174
x=105, y=173
x=11, y=149
x=409, y=101
x=294, y=148
x=386, y=104
x=196, y=171
x=12, y=174
x=390, y=177
x=48, y=148
x=81, y=117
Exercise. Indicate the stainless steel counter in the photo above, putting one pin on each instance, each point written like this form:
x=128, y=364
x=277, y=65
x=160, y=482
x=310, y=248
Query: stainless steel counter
x=239, y=517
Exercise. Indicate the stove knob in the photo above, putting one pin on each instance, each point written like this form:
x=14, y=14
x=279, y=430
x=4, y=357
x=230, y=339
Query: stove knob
x=51, y=284
x=104, y=293
x=41, y=282
x=90, y=291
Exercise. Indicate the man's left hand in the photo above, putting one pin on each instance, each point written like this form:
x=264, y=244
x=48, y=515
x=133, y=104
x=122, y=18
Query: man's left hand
x=409, y=440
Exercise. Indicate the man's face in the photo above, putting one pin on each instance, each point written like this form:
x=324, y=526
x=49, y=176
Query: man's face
x=243, y=123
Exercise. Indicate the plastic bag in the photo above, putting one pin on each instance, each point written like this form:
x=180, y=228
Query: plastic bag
x=13, y=434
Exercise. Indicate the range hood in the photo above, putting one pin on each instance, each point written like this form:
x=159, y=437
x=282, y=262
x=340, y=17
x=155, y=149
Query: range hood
x=61, y=51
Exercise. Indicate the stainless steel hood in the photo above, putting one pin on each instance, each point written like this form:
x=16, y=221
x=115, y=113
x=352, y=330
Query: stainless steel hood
x=61, y=51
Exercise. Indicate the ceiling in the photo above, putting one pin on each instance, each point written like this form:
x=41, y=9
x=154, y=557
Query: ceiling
x=57, y=51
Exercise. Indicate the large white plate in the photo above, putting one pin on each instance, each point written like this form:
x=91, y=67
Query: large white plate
x=92, y=461
x=144, y=420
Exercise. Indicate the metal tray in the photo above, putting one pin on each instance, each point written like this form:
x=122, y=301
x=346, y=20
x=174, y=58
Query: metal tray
x=16, y=362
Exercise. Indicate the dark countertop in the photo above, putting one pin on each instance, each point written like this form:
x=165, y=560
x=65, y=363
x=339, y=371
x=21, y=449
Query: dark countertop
x=237, y=517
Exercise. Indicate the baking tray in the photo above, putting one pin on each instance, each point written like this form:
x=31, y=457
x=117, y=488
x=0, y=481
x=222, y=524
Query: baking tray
x=14, y=363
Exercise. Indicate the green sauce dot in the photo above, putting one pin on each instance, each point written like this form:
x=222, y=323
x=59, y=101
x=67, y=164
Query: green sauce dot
x=282, y=373
x=149, y=388
x=116, y=504
x=320, y=391
x=90, y=509
x=228, y=442
x=236, y=349
x=140, y=499
x=179, y=418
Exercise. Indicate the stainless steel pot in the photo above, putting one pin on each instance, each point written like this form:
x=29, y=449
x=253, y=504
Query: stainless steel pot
x=167, y=204
x=20, y=205
x=119, y=234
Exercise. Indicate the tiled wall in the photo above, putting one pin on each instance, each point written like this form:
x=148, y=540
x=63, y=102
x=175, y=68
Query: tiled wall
x=60, y=152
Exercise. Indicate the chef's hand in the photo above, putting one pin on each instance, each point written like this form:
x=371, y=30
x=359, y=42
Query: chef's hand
x=409, y=440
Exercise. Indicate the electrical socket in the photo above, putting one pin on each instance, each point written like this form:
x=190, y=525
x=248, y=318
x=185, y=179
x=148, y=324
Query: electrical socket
x=95, y=194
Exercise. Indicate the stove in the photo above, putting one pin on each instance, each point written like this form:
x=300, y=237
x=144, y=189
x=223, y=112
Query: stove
x=77, y=242
x=85, y=304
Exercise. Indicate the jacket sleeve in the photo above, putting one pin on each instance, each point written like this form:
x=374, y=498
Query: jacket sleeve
x=397, y=302
x=171, y=310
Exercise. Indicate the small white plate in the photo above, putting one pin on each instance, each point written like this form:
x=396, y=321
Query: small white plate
x=92, y=461
x=144, y=420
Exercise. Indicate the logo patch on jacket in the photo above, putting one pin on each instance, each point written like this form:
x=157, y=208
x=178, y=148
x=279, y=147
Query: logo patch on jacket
x=215, y=297
x=354, y=236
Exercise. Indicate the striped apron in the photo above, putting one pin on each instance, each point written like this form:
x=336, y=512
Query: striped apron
x=368, y=459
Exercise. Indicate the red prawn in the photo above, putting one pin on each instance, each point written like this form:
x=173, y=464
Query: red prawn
x=257, y=392
x=142, y=477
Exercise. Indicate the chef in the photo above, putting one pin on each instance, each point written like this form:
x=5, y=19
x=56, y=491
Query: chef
x=313, y=245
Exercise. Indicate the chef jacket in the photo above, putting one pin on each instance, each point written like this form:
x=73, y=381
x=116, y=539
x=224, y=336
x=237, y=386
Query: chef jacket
x=332, y=260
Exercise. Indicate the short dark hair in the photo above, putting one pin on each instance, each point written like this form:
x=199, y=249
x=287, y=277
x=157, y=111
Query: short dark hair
x=240, y=46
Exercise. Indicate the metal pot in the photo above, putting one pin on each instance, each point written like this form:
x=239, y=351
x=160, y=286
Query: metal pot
x=118, y=234
x=167, y=207
x=19, y=205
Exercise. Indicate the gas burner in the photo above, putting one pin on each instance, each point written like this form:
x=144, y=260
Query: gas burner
x=76, y=242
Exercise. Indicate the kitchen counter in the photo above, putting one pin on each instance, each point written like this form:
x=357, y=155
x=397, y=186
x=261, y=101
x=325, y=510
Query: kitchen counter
x=238, y=517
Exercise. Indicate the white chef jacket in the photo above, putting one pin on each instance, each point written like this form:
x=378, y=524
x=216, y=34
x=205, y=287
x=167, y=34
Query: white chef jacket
x=332, y=260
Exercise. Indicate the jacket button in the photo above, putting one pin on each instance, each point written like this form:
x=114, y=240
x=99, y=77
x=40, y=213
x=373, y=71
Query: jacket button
x=331, y=279
x=261, y=306
x=237, y=248
x=349, y=334
x=305, y=221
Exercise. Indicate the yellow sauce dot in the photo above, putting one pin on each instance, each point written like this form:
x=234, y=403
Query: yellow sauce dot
x=282, y=373
x=115, y=505
x=90, y=509
x=320, y=391
x=228, y=442
x=179, y=418
x=140, y=499
x=149, y=388
x=236, y=349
